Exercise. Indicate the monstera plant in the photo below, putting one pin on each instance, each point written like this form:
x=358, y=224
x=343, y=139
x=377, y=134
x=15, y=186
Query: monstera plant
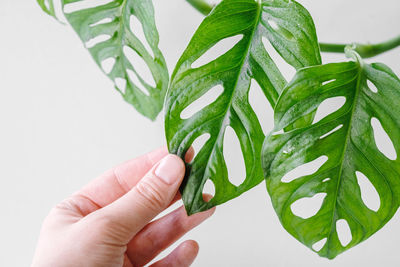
x=342, y=144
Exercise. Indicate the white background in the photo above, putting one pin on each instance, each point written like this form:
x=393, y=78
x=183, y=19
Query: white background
x=62, y=124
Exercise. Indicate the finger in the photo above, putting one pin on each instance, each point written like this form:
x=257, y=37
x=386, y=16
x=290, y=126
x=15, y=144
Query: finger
x=182, y=256
x=116, y=182
x=189, y=154
x=127, y=262
x=160, y=234
x=126, y=216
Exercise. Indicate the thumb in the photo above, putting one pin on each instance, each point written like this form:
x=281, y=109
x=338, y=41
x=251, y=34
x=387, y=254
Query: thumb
x=126, y=216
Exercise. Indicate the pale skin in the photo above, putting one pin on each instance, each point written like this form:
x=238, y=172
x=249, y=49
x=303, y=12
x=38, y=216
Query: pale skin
x=109, y=221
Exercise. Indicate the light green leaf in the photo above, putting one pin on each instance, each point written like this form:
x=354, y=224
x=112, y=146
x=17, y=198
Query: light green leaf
x=340, y=147
x=290, y=30
x=111, y=21
x=48, y=7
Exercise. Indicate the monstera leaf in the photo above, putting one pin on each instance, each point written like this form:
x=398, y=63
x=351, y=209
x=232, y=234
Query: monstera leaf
x=290, y=30
x=331, y=157
x=48, y=7
x=108, y=27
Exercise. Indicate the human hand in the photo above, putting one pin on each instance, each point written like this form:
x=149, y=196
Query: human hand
x=107, y=223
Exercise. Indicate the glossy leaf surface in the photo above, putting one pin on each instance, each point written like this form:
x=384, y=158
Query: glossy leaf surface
x=290, y=30
x=345, y=144
x=108, y=28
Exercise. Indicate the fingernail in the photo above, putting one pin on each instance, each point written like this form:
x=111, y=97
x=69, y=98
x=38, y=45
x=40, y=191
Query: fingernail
x=170, y=169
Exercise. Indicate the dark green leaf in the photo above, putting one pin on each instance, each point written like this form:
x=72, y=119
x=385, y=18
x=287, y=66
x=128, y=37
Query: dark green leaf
x=345, y=144
x=112, y=20
x=290, y=30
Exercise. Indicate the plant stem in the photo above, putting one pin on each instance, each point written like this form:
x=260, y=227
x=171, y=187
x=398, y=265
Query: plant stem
x=365, y=50
x=202, y=6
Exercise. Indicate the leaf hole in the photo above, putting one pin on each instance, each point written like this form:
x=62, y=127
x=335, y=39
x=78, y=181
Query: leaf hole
x=278, y=132
x=58, y=10
x=382, y=140
x=327, y=82
x=369, y=194
x=199, y=143
x=209, y=188
x=308, y=206
x=344, y=232
x=47, y=4
x=205, y=100
x=84, y=4
x=273, y=25
x=140, y=66
x=287, y=70
x=135, y=80
x=280, y=30
x=137, y=29
x=219, y=49
x=329, y=106
x=100, y=22
x=96, y=40
x=337, y=128
x=108, y=64
x=326, y=180
x=233, y=156
x=120, y=83
x=304, y=170
x=319, y=245
x=260, y=105
x=372, y=86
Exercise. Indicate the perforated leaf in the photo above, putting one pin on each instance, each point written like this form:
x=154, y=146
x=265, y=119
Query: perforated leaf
x=341, y=146
x=290, y=30
x=106, y=31
x=48, y=7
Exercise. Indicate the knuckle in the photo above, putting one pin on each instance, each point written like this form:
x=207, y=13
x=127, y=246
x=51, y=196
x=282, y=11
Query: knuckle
x=105, y=221
x=68, y=206
x=180, y=225
x=65, y=205
x=151, y=194
x=59, y=213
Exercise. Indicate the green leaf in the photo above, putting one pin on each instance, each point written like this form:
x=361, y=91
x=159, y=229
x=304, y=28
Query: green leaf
x=290, y=29
x=112, y=21
x=48, y=7
x=345, y=144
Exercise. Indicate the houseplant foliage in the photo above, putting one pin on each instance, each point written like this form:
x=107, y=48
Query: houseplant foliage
x=344, y=141
x=113, y=21
x=234, y=71
x=346, y=138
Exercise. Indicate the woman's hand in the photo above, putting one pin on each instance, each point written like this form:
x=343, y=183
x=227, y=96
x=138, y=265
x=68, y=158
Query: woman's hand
x=107, y=223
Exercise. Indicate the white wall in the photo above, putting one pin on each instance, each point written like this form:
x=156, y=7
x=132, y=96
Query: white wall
x=62, y=124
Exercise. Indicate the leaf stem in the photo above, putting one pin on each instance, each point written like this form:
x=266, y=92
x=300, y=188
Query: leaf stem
x=202, y=6
x=364, y=50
